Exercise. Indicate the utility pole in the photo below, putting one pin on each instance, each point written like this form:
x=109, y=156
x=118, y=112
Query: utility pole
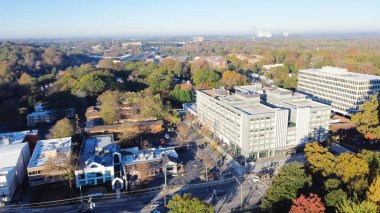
x=81, y=197
x=165, y=184
x=241, y=192
x=206, y=174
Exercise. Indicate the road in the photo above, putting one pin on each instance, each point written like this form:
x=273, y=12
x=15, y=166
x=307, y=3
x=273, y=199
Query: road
x=224, y=195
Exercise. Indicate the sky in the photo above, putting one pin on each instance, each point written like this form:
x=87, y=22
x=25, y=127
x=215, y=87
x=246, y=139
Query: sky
x=102, y=18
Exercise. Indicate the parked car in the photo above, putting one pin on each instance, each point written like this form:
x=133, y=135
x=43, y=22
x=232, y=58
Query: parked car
x=155, y=204
x=167, y=136
x=256, y=179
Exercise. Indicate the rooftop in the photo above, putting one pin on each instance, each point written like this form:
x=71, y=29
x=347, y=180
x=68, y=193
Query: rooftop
x=135, y=156
x=15, y=137
x=97, y=149
x=49, y=148
x=342, y=73
x=9, y=155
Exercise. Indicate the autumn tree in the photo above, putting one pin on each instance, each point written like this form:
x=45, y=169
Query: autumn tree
x=186, y=203
x=160, y=80
x=354, y=206
x=367, y=121
x=26, y=79
x=64, y=164
x=52, y=57
x=232, y=79
x=63, y=128
x=180, y=95
x=183, y=132
x=348, y=167
x=373, y=192
x=109, y=108
x=290, y=181
x=319, y=159
x=311, y=204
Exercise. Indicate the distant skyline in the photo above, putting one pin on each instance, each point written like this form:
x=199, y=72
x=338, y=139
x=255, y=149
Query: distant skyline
x=118, y=18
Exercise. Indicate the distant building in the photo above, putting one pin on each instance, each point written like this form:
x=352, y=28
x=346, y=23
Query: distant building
x=198, y=39
x=258, y=122
x=129, y=44
x=38, y=168
x=41, y=116
x=344, y=91
x=250, y=60
x=216, y=62
x=14, y=161
x=100, y=162
x=269, y=67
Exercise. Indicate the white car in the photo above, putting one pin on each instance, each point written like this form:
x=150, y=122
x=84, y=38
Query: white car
x=155, y=204
x=167, y=136
x=256, y=179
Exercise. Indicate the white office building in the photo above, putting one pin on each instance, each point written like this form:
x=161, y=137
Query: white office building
x=259, y=122
x=344, y=91
x=14, y=159
x=100, y=162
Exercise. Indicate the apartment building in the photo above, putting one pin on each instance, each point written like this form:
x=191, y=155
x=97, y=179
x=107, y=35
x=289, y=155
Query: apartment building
x=258, y=122
x=14, y=160
x=344, y=91
x=100, y=162
x=42, y=116
x=47, y=153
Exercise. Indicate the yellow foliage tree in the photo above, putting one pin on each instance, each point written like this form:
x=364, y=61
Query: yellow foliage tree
x=320, y=159
x=232, y=78
x=373, y=192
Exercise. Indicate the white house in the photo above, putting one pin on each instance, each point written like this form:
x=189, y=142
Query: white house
x=14, y=159
x=100, y=162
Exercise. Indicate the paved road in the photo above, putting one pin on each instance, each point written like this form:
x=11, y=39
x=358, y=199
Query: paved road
x=224, y=195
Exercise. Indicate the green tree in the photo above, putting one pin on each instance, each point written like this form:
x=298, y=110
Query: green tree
x=109, y=108
x=332, y=183
x=351, y=206
x=94, y=83
x=205, y=76
x=63, y=128
x=367, y=121
x=152, y=106
x=186, y=204
x=290, y=181
x=334, y=197
x=180, y=95
x=160, y=80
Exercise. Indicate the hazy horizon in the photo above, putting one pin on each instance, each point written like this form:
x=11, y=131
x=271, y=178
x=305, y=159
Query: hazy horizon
x=93, y=19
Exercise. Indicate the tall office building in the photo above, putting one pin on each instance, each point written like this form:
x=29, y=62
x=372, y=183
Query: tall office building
x=344, y=91
x=259, y=122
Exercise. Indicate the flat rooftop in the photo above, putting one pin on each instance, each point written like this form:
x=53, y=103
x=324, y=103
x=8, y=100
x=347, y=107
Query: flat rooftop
x=134, y=155
x=15, y=137
x=342, y=73
x=305, y=103
x=58, y=146
x=248, y=103
x=9, y=155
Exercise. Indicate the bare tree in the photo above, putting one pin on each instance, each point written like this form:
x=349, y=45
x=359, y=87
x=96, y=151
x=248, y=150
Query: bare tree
x=183, y=133
x=61, y=165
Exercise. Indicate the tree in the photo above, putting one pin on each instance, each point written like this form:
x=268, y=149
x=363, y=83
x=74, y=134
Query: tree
x=367, y=121
x=152, y=106
x=373, y=192
x=63, y=128
x=290, y=181
x=205, y=76
x=332, y=183
x=311, y=204
x=94, y=83
x=64, y=165
x=232, y=79
x=183, y=132
x=180, y=95
x=26, y=79
x=349, y=167
x=186, y=203
x=160, y=80
x=334, y=197
x=52, y=57
x=319, y=159
x=352, y=206
x=109, y=108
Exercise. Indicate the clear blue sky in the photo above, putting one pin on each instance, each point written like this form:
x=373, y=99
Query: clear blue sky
x=76, y=18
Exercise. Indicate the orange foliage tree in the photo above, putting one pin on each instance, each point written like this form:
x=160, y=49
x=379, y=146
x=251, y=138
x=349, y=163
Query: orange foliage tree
x=311, y=204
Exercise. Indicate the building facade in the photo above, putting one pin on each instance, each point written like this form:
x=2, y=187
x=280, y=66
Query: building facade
x=13, y=163
x=46, y=154
x=344, y=91
x=257, y=123
x=42, y=116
